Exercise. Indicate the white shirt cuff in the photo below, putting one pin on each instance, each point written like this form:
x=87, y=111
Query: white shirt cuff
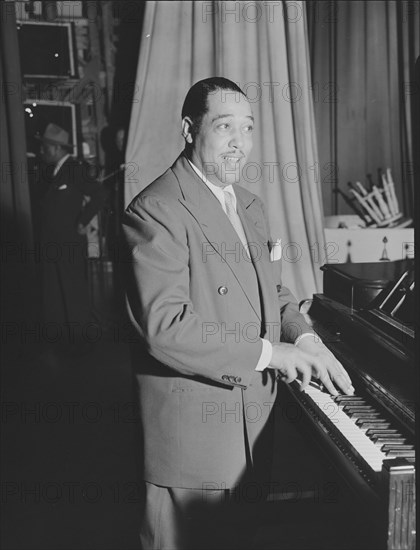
x=266, y=355
x=315, y=337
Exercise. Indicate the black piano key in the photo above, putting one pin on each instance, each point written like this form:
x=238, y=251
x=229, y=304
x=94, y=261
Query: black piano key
x=401, y=453
x=345, y=406
x=348, y=408
x=391, y=435
x=360, y=412
x=385, y=435
x=372, y=423
x=364, y=415
x=389, y=439
x=353, y=413
x=348, y=398
x=396, y=446
x=380, y=430
x=351, y=400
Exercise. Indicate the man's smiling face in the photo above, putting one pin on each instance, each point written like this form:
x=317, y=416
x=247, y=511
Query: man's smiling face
x=224, y=140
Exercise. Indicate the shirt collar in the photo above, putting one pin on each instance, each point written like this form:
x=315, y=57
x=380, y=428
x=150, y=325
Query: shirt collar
x=60, y=164
x=215, y=189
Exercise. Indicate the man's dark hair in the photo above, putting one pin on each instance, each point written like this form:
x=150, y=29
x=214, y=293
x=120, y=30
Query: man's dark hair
x=196, y=104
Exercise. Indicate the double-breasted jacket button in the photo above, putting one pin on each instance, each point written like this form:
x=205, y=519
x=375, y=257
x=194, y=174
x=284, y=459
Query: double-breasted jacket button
x=222, y=290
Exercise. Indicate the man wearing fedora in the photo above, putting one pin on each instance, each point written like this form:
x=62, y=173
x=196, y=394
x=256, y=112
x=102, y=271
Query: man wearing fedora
x=64, y=184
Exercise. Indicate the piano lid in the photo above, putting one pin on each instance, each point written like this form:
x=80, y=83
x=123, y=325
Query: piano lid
x=357, y=284
x=371, y=273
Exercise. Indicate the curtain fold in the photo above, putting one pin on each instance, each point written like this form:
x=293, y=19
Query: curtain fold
x=15, y=203
x=17, y=266
x=371, y=88
x=306, y=144
x=262, y=47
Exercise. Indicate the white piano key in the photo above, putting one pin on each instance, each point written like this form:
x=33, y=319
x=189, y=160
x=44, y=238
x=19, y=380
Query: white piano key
x=347, y=427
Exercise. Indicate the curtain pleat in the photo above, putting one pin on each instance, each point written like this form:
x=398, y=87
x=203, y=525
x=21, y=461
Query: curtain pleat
x=15, y=200
x=377, y=43
x=17, y=250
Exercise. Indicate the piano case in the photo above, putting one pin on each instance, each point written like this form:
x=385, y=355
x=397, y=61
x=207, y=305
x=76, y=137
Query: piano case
x=357, y=284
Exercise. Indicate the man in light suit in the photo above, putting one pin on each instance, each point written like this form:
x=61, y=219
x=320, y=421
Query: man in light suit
x=217, y=329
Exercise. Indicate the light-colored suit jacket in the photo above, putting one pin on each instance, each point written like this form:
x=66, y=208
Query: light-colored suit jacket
x=194, y=301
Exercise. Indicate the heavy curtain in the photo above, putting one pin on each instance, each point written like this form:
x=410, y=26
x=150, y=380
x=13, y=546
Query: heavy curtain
x=363, y=59
x=263, y=47
x=15, y=201
x=17, y=269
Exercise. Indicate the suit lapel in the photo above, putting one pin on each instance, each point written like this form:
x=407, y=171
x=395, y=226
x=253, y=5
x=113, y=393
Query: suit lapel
x=61, y=176
x=251, y=217
x=216, y=227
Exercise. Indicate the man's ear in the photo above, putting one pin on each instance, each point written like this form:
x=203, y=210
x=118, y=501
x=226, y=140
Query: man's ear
x=187, y=129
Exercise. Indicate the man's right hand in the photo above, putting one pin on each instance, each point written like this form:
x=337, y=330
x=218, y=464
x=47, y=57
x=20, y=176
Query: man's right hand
x=293, y=363
x=82, y=229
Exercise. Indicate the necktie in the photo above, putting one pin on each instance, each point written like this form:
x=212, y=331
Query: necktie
x=234, y=219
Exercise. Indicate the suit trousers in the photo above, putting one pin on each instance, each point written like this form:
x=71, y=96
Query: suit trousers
x=200, y=519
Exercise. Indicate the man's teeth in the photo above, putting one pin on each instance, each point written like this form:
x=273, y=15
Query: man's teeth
x=232, y=159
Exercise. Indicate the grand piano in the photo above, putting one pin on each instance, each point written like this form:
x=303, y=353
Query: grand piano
x=366, y=317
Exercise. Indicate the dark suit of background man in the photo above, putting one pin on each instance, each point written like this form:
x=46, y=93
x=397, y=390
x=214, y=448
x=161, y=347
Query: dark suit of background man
x=64, y=183
x=217, y=330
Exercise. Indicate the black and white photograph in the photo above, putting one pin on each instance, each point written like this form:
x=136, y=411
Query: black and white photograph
x=209, y=302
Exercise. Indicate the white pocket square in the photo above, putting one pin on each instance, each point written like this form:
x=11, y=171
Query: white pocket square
x=275, y=250
x=64, y=186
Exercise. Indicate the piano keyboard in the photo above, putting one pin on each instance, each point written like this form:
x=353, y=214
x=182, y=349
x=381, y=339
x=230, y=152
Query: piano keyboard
x=367, y=438
x=369, y=434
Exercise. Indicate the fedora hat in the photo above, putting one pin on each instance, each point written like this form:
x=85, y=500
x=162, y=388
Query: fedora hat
x=56, y=136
